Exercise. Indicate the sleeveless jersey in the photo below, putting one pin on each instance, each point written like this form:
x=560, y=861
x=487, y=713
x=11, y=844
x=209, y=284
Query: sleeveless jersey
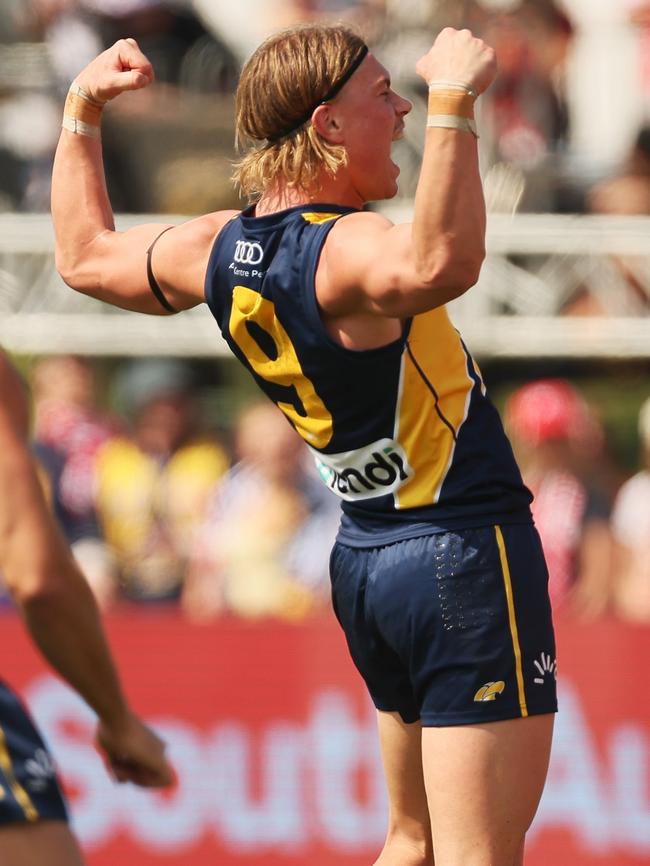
x=404, y=434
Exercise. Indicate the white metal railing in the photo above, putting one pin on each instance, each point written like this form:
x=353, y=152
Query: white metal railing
x=539, y=268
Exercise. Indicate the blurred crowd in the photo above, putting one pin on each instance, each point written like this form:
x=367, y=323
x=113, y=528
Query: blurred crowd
x=169, y=149
x=160, y=508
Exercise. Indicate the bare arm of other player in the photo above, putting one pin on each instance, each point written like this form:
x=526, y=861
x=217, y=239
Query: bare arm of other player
x=57, y=604
x=370, y=268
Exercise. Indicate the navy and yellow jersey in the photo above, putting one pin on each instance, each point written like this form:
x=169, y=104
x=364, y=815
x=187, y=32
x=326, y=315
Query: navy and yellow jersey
x=404, y=434
x=29, y=786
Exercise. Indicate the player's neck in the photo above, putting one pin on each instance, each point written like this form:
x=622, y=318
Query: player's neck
x=330, y=190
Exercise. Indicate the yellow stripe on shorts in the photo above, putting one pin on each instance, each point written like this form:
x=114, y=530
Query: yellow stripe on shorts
x=512, y=619
x=21, y=795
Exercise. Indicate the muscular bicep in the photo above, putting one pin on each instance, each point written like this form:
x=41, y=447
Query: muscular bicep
x=370, y=265
x=152, y=268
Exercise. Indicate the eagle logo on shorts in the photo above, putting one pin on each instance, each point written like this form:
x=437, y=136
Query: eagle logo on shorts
x=489, y=691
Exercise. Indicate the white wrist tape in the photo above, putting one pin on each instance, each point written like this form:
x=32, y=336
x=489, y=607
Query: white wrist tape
x=452, y=121
x=72, y=124
x=443, y=84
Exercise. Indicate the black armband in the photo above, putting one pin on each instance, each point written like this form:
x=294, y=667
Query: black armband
x=153, y=283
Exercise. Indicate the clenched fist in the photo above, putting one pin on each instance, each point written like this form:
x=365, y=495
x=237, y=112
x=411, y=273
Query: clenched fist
x=121, y=67
x=457, y=55
x=134, y=753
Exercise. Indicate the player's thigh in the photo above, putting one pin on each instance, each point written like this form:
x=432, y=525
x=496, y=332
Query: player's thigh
x=37, y=844
x=401, y=751
x=483, y=784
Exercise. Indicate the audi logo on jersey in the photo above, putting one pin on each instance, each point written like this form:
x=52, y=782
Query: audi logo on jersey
x=248, y=252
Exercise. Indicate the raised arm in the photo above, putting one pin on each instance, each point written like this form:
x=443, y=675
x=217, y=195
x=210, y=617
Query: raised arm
x=56, y=602
x=372, y=266
x=90, y=255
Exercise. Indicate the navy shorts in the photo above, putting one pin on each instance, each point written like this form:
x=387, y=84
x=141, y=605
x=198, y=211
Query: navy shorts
x=452, y=628
x=29, y=789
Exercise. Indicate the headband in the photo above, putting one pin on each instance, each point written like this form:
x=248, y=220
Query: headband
x=331, y=93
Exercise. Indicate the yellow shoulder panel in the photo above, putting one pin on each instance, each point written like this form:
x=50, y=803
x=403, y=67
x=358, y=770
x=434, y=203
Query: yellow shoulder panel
x=317, y=218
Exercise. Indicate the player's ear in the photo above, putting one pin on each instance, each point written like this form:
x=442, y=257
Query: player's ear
x=327, y=124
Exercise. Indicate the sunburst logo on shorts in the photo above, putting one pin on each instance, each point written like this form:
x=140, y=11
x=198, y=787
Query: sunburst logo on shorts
x=546, y=667
x=41, y=770
x=489, y=691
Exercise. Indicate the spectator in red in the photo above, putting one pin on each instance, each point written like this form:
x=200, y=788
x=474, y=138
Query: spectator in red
x=526, y=115
x=559, y=440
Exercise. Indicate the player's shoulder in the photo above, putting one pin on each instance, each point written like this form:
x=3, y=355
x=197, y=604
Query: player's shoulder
x=359, y=223
x=349, y=252
x=204, y=229
x=354, y=238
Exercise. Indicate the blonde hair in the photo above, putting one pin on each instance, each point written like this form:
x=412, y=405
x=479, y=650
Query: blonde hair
x=283, y=81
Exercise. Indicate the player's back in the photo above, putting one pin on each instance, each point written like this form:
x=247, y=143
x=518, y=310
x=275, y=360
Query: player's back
x=404, y=434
